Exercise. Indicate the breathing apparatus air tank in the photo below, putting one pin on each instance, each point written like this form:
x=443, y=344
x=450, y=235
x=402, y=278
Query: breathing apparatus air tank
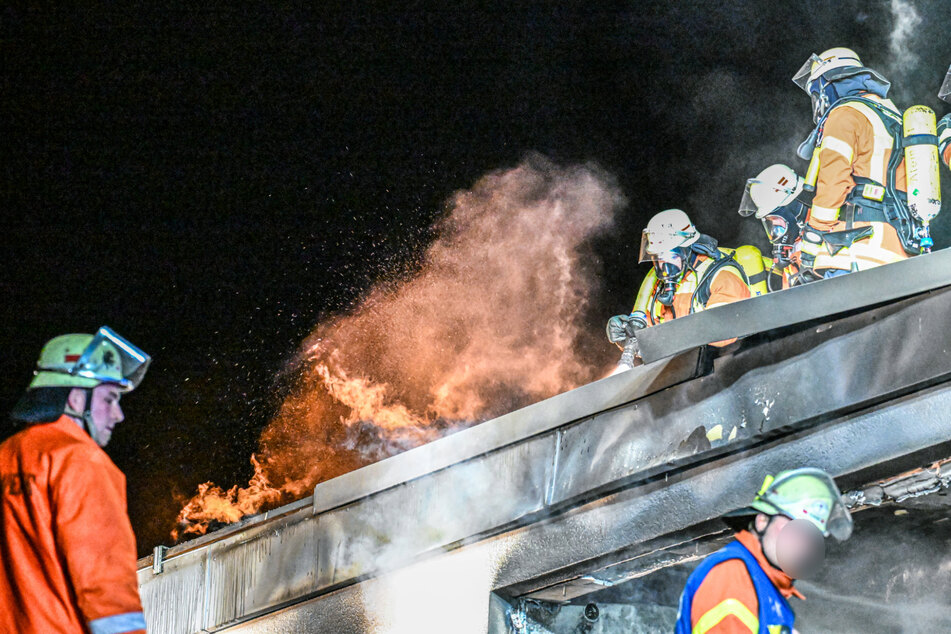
x=643, y=304
x=920, y=141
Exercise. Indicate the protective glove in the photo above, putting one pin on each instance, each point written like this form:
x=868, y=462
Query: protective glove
x=810, y=247
x=804, y=276
x=620, y=328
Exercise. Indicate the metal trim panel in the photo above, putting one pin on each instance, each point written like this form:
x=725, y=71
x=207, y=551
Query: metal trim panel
x=695, y=494
x=795, y=380
x=547, y=501
x=818, y=300
x=494, y=434
x=542, y=554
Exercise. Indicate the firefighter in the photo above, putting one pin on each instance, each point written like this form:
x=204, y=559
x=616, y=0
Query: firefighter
x=67, y=547
x=944, y=126
x=745, y=586
x=859, y=218
x=777, y=198
x=690, y=274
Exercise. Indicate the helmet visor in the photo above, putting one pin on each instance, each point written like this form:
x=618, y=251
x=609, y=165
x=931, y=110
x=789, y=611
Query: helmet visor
x=801, y=78
x=134, y=362
x=644, y=254
x=945, y=92
x=748, y=206
x=840, y=522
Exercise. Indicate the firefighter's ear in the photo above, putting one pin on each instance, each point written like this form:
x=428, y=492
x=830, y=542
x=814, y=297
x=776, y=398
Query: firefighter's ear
x=760, y=522
x=76, y=401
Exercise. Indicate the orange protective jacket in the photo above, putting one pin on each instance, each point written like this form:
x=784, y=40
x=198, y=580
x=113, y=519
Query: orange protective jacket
x=67, y=551
x=729, y=582
x=855, y=142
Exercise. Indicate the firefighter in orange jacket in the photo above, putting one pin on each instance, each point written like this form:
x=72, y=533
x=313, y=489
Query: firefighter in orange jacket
x=690, y=274
x=744, y=588
x=859, y=217
x=66, y=545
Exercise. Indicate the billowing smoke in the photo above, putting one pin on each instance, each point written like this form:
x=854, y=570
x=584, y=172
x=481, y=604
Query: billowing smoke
x=450, y=588
x=490, y=321
x=905, y=22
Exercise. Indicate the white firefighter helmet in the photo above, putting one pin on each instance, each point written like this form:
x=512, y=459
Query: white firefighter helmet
x=774, y=187
x=665, y=232
x=819, y=75
x=818, y=65
x=85, y=361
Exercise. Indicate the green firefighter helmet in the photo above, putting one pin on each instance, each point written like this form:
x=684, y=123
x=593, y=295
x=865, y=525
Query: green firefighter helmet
x=807, y=493
x=85, y=361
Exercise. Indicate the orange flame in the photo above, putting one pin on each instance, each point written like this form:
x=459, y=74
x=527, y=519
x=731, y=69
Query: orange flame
x=213, y=504
x=493, y=320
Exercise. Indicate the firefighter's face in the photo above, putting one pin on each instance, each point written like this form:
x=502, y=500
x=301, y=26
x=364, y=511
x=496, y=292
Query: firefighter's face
x=769, y=528
x=795, y=547
x=106, y=411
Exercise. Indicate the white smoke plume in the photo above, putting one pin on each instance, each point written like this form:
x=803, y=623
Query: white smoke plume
x=906, y=21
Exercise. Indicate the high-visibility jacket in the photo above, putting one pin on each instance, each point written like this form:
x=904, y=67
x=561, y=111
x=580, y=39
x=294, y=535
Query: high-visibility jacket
x=67, y=551
x=854, y=142
x=737, y=591
x=723, y=284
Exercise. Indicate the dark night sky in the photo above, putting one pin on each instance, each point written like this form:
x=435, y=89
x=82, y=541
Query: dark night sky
x=211, y=182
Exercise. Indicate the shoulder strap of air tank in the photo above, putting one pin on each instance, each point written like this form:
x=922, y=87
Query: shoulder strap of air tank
x=702, y=294
x=890, y=118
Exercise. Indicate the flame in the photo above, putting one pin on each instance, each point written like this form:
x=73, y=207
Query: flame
x=492, y=320
x=213, y=504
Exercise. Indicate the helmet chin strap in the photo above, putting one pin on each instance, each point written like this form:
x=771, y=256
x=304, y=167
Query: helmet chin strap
x=85, y=417
x=760, y=535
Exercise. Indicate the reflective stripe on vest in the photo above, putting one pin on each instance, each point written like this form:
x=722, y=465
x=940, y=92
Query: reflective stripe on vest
x=729, y=607
x=868, y=253
x=838, y=145
x=774, y=614
x=882, y=138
